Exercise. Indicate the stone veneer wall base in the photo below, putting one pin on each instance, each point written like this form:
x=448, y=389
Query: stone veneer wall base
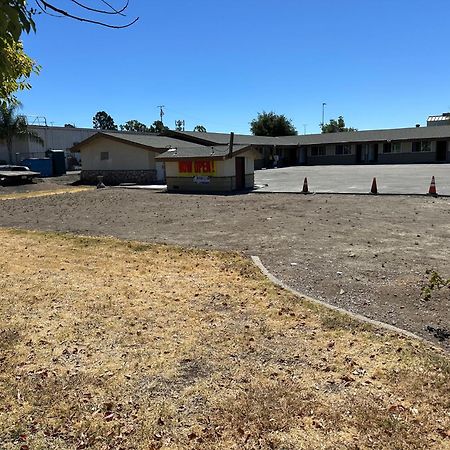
x=114, y=177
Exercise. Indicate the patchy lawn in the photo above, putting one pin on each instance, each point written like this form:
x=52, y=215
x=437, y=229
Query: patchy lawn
x=42, y=193
x=107, y=344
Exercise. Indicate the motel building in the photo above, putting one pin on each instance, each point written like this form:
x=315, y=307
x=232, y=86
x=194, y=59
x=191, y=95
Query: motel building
x=209, y=169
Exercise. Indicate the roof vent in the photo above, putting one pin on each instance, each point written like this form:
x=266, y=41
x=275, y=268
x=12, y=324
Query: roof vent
x=417, y=125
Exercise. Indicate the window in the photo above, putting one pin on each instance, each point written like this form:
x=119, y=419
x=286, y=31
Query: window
x=347, y=149
x=387, y=147
x=396, y=147
x=104, y=156
x=318, y=150
x=421, y=146
x=339, y=150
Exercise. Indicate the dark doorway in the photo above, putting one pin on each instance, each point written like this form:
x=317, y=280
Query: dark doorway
x=240, y=173
x=303, y=156
x=373, y=153
x=358, y=153
x=441, y=151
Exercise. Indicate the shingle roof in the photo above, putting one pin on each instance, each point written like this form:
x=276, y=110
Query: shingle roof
x=147, y=140
x=222, y=138
x=396, y=134
x=214, y=152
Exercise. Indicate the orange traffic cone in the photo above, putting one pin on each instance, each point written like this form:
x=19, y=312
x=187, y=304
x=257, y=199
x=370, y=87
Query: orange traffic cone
x=374, y=189
x=305, y=186
x=432, y=190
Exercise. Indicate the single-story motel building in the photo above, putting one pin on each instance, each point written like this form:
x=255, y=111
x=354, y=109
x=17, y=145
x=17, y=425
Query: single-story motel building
x=195, y=161
x=393, y=146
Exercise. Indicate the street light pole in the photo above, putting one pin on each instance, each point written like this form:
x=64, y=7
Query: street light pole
x=323, y=114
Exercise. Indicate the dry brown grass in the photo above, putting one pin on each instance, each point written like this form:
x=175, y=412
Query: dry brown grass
x=44, y=193
x=106, y=344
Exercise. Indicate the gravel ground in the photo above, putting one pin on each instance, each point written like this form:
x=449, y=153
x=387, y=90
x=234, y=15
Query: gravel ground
x=368, y=254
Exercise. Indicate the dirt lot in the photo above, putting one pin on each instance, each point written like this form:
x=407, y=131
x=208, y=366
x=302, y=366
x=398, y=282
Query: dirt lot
x=106, y=344
x=366, y=254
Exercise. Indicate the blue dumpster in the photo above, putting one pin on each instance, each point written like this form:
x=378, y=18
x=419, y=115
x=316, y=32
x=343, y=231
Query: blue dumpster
x=42, y=165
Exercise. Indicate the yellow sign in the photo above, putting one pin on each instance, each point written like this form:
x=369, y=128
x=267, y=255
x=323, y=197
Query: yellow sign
x=194, y=167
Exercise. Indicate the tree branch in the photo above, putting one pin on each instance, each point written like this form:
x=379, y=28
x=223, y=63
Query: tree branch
x=44, y=5
x=102, y=11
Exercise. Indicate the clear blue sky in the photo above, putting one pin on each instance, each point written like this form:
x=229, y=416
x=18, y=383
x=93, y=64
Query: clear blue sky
x=380, y=64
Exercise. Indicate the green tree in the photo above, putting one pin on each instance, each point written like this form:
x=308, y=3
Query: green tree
x=179, y=125
x=271, y=124
x=199, y=129
x=157, y=127
x=336, y=126
x=15, y=66
x=16, y=17
x=134, y=125
x=14, y=125
x=103, y=121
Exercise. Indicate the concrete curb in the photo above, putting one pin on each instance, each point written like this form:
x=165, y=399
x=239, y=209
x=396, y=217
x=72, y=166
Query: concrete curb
x=257, y=261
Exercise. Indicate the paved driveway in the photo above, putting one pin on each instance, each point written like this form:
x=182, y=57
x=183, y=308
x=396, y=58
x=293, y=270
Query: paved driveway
x=391, y=179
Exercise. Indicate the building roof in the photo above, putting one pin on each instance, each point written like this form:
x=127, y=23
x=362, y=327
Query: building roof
x=396, y=134
x=150, y=141
x=221, y=138
x=211, y=152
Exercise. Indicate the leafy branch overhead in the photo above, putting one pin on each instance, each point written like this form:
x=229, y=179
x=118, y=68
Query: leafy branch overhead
x=17, y=17
x=52, y=9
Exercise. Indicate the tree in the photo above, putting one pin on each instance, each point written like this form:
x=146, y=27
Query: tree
x=16, y=17
x=134, y=125
x=336, y=126
x=199, y=129
x=179, y=125
x=22, y=14
x=157, y=127
x=15, y=66
x=271, y=124
x=103, y=121
x=14, y=125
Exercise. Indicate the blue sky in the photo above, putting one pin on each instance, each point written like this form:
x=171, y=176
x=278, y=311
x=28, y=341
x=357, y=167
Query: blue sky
x=380, y=64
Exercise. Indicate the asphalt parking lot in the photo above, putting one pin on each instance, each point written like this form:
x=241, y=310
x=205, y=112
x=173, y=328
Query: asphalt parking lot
x=356, y=179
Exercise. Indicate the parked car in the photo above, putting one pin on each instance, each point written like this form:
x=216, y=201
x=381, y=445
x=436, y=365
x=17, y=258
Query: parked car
x=16, y=174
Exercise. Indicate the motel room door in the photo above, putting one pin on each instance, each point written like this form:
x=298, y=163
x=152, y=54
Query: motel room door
x=441, y=151
x=240, y=173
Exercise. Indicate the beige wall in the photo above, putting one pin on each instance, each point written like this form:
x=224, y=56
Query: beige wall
x=224, y=168
x=121, y=156
x=223, y=180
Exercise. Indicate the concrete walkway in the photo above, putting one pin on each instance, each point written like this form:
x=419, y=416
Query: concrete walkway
x=356, y=179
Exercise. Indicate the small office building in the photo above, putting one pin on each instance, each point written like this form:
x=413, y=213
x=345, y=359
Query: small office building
x=209, y=168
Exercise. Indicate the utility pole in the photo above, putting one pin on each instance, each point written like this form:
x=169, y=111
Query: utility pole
x=323, y=114
x=161, y=112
